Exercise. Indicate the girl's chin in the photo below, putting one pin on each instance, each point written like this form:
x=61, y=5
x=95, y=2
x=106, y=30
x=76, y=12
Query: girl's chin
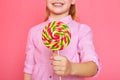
x=58, y=13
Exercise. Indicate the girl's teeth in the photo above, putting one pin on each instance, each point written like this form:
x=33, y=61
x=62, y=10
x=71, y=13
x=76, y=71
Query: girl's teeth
x=57, y=4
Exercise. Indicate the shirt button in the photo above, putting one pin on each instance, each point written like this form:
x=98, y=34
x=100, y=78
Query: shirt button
x=50, y=76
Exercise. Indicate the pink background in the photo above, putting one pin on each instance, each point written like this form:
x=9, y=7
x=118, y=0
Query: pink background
x=18, y=16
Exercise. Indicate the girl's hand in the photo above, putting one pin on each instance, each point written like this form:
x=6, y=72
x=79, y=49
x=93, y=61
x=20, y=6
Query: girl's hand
x=61, y=65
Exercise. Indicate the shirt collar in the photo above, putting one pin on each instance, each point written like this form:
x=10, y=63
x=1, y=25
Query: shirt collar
x=65, y=20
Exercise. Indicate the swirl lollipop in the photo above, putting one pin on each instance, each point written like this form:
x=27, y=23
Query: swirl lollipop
x=56, y=36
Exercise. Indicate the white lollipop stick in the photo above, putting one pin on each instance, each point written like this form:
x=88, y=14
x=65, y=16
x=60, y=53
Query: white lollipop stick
x=58, y=52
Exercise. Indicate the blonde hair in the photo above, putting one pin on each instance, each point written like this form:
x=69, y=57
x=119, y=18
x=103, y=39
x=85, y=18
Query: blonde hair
x=72, y=12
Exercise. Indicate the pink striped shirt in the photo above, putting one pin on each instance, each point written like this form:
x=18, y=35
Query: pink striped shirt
x=80, y=49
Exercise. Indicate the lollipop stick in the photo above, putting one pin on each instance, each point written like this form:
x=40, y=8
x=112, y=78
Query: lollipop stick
x=60, y=78
x=58, y=52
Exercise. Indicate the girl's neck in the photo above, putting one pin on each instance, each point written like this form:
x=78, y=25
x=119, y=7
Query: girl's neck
x=58, y=17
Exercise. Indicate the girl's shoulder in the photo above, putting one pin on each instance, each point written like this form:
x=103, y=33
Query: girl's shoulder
x=82, y=26
x=38, y=27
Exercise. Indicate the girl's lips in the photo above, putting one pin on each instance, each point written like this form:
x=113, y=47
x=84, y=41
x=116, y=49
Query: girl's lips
x=57, y=4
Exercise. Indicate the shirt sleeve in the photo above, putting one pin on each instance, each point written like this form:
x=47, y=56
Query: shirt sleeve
x=86, y=46
x=29, y=61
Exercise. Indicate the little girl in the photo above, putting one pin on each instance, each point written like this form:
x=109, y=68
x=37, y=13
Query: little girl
x=75, y=62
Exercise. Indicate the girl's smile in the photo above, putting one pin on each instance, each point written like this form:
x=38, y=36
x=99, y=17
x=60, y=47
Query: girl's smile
x=57, y=4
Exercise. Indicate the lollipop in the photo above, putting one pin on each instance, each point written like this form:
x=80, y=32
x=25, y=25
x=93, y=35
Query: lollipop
x=56, y=35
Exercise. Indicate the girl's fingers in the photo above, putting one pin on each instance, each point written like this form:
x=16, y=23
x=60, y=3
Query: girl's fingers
x=56, y=68
x=59, y=67
x=52, y=56
x=56, y=57
x=60, y=73
x=56, y=63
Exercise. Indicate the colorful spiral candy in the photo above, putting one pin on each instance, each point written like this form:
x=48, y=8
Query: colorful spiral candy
x=56, y=35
